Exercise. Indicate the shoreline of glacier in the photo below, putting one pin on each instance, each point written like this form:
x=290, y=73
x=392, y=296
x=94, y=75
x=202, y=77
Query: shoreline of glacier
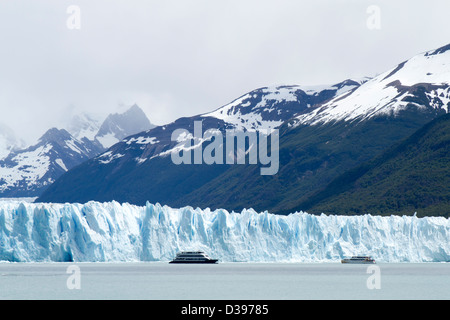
x=114, y=232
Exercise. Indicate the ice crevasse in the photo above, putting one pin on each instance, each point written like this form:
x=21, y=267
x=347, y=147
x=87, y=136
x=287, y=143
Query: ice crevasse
x=123, y=232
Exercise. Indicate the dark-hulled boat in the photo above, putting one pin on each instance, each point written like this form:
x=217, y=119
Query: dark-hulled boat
x=359, y=260
x=193, y=257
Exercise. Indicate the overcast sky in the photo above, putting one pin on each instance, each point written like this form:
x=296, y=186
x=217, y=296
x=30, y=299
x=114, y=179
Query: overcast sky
x=184, y=57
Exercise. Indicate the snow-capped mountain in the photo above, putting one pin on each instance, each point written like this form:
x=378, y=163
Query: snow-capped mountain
x=25, y=173
x=338, y=136
x=319, y=140
x=422, y=82
x=117, y=126
x=263, y=108
x=110, y=130
x=269, y=107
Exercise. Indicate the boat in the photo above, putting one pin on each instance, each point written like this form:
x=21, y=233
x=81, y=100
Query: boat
x=193, y=257
x=359, y=259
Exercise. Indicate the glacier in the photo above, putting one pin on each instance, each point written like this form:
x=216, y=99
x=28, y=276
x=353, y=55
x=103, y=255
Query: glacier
x=115, y=232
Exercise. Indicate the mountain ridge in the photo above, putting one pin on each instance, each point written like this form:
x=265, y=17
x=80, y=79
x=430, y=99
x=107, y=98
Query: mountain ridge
x=258, y=109
x=318, y=142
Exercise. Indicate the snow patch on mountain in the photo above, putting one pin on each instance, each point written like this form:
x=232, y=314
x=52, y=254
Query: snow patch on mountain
x=30, y=167
x=122, y=232
x=142, y=140
x=61, y=164
x=108, y=157
x=232, y=113
x=425, y=68
x=107, y=140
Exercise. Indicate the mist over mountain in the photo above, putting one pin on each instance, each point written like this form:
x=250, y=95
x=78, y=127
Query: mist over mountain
x=8, y=140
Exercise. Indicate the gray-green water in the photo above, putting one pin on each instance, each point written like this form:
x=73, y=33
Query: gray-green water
x=223, y=281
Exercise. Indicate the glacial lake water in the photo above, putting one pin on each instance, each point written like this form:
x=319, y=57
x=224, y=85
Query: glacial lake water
x=224, y=281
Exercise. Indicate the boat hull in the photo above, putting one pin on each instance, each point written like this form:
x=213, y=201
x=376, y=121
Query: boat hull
x=357, y=262
x=212, y=261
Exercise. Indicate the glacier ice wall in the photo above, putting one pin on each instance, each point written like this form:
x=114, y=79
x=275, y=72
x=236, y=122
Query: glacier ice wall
x=122, y=232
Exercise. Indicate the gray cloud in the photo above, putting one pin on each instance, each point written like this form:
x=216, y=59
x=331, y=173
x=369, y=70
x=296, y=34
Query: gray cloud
x=180, y=58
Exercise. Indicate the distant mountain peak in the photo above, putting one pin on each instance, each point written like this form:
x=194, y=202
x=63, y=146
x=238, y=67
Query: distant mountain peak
x=27, y=172
x=118, y=126
x=55, y=134
x=134, y=108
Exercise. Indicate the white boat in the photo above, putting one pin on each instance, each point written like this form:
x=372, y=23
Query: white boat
x=359, y=259
x=193, y=257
